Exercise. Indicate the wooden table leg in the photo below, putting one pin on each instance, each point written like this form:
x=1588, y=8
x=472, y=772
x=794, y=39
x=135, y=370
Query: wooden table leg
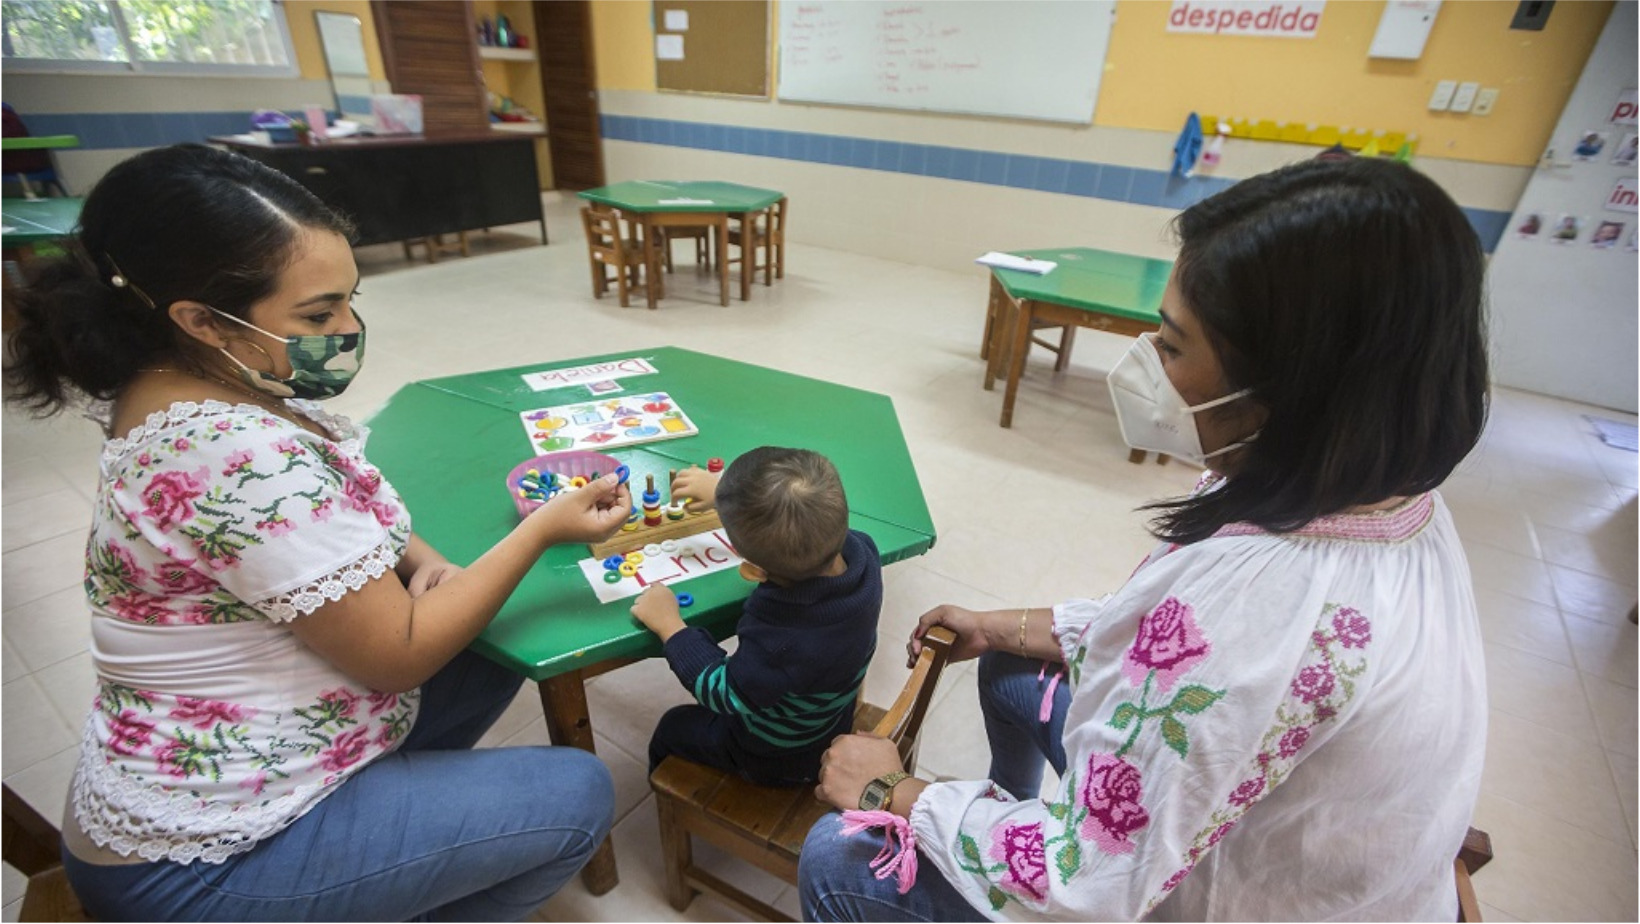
x=748, y=254
x=1002, y=329
x=1016, y=361
x=723, y=260
x=990, y=319
x=564, y=702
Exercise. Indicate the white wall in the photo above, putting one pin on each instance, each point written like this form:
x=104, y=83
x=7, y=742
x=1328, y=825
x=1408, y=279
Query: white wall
x=1564, y=317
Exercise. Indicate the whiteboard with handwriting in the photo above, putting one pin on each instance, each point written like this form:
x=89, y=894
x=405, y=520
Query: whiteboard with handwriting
x=1026, y=59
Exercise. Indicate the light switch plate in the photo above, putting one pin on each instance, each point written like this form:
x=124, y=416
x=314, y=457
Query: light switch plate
x=1465, y=97
x=1442, y=97
x=1484, y=101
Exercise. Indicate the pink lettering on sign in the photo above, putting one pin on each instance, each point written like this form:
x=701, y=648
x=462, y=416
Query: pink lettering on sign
x=1290, y=19
x=1624, y=112
x=1624, y=196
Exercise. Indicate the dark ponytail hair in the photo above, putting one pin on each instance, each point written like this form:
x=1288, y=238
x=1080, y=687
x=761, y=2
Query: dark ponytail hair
x=1348, y=295
x=187, y=222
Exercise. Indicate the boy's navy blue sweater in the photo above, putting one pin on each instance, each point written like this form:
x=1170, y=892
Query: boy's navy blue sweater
x=792, y=683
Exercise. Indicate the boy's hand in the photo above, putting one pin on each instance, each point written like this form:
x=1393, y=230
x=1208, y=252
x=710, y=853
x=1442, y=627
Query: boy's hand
x=699, y=485
x=657, y=609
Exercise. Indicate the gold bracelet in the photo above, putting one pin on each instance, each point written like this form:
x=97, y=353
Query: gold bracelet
x=1022, y=617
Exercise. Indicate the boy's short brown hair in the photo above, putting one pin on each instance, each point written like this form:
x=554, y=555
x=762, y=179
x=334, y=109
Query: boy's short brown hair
x=785, y=510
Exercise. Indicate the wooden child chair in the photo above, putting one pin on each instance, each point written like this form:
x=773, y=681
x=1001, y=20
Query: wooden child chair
x=32, y=846
x=766, y=825
x=762, y=233
x=700, y=234
x=1475, y=853
x=609, y=246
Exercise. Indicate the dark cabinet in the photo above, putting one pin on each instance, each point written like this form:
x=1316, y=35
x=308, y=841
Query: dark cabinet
x=400, y=188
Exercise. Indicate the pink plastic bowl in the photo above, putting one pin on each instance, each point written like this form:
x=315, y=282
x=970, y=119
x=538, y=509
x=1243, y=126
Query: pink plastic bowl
x=571, y=463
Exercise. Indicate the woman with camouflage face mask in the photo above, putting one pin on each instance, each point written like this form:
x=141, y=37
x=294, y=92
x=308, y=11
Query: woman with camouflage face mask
x=286, y=709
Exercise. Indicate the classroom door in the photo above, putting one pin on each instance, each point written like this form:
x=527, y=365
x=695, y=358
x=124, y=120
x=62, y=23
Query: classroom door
x=564, y=37
x=429, y=48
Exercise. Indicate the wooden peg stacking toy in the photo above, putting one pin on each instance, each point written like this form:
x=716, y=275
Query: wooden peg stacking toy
x=656, y=523
x=714, y=464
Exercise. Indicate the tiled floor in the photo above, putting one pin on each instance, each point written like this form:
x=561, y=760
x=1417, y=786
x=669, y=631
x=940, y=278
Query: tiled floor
x=1025, y=516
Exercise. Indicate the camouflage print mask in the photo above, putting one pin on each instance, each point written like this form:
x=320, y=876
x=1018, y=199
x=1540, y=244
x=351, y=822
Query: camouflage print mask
x=321, y=365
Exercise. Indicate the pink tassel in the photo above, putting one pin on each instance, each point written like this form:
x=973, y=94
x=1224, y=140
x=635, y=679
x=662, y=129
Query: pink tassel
x=1046, y=711
x=898, y=861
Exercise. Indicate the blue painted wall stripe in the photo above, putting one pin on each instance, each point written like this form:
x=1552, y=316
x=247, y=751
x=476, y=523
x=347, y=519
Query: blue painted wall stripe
x=1136, y=185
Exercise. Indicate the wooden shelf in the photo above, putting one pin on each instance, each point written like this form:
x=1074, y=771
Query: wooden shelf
x=494, y=53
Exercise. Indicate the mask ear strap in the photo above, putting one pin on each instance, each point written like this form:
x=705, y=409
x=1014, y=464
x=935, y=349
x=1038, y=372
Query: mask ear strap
x=1208, y=405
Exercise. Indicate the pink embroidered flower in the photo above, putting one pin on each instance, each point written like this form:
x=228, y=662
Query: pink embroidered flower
x=1293, y=741
x=138, y=607
x=1111, y=794
x=121, y=566
x=182, y=444
x=206, y=713
x=323, y=509
x=255, y=783
x=275, y=525
x=385, y=736
x=223, y=426
x=170, y=759
x=341, y=702
x=169, y=494
x=1313, y=683
x=1219, y=833
x=289, y=447
x=1248, y=792
x=358, y=495
x=385, y=514
x=1169, y=642
x=1020, y=848
x=381, y=702
x=1178, y=877
x=1354, y=631
x=346, y=750
x=128, y=734
x=180, y=579
x=145, y=460
x=237, y=461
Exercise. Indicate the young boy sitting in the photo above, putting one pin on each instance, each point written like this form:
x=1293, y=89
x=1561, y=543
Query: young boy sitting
x=770, y=710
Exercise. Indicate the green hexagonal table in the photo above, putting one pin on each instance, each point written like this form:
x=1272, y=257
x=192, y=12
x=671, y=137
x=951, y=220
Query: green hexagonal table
x=448, y=445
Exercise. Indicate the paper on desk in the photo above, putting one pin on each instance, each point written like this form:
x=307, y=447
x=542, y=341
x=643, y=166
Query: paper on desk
x=683, y=201
x=697, y=555
x=1012, y=262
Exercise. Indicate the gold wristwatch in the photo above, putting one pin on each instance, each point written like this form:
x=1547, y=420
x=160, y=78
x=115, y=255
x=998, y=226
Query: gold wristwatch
x=880, y=792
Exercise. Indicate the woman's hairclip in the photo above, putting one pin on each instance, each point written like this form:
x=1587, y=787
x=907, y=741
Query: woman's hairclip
x=119, y=281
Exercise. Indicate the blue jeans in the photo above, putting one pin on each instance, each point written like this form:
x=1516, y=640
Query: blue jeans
x=834, y=877
x=435, y=831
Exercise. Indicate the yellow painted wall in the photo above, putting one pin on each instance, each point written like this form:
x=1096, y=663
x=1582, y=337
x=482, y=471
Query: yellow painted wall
x=304, y=36
x=1154, y=78
x=623, y=43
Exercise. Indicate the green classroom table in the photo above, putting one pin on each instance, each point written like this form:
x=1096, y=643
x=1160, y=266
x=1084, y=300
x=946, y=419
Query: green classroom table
x=448, y=444
x=1114, y=292
x=34, y=221
x=657, y=204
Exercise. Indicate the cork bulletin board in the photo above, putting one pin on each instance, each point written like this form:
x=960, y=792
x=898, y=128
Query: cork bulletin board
x=712, y=46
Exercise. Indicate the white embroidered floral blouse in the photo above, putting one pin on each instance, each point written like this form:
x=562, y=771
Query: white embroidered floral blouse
x=1262, y=727
x=213, y=727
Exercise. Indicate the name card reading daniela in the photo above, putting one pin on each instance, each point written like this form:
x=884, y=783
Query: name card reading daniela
x=582, y=375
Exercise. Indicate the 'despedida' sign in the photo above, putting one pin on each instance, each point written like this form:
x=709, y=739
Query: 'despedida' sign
x=1247, y=17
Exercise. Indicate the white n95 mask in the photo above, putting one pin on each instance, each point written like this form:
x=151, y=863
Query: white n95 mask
x=1152, y=413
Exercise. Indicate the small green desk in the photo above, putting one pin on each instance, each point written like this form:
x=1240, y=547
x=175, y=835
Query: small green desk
x=34, y=221
x=1114, y=292
x=448, y=444
x=656, y=204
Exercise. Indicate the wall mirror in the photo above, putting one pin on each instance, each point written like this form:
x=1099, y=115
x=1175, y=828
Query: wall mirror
x=343, y=39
